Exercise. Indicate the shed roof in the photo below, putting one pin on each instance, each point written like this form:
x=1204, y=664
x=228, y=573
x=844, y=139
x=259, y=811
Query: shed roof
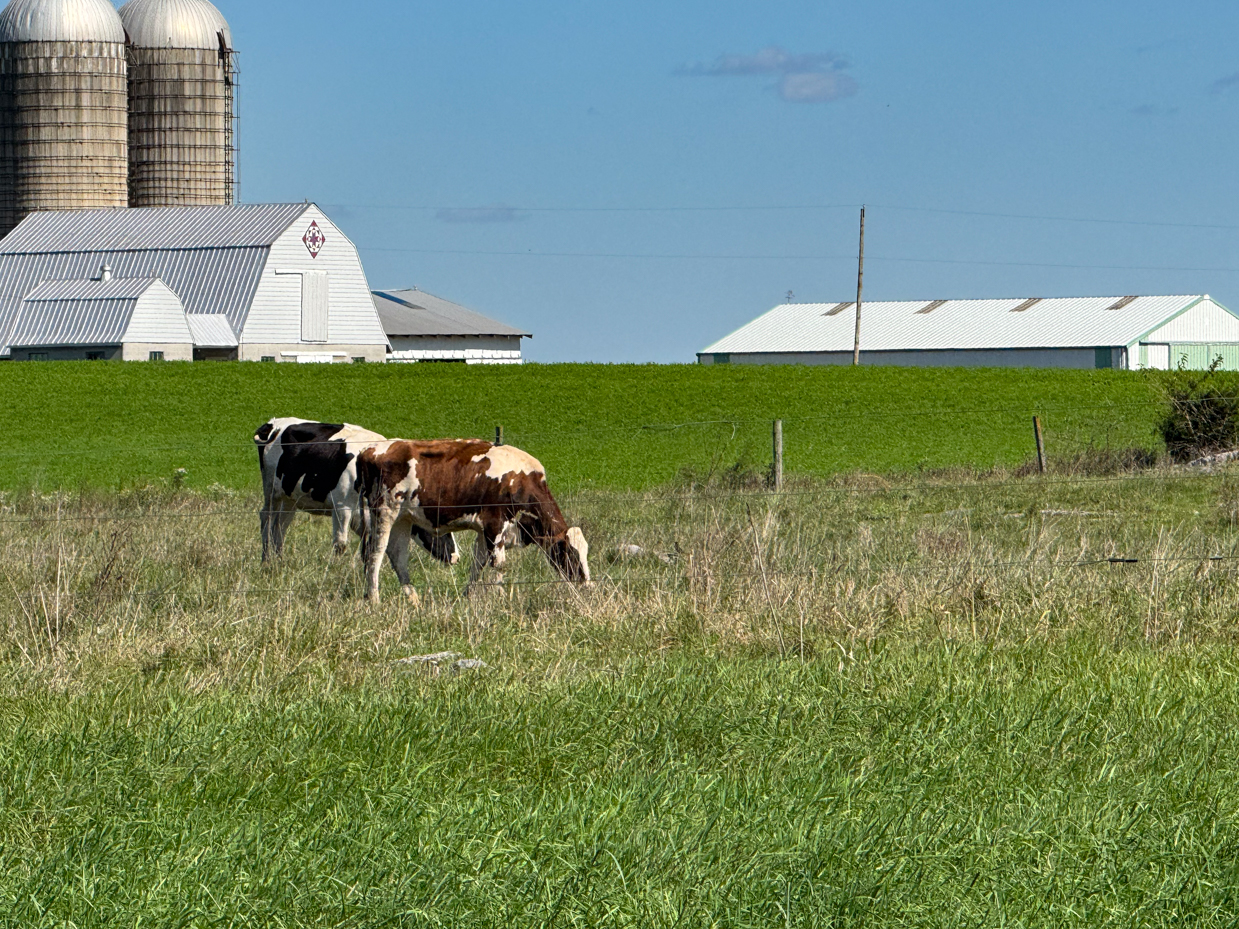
x=79, y=312
x=910, y=325
x=414, y=312
x=211, y=330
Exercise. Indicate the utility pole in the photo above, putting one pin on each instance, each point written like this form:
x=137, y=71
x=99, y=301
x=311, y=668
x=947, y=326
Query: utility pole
x=860, y=286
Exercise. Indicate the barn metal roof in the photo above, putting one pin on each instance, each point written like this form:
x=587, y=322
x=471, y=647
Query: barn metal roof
x=78, y=312
x=164, y=227
x=61, y=21
x=211, y=330
x=212, y=257
x=174, y=24
x=414, y=312
x=1018, y=322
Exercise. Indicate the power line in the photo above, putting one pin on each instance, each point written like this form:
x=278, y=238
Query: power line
x=669, y=256
x=782, y=207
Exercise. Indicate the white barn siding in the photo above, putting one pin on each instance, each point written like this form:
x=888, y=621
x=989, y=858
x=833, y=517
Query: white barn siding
x=1204, y=322
x=275, y=319
x=158, y=317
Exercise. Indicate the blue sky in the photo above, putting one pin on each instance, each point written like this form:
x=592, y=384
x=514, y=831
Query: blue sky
x=633, y=180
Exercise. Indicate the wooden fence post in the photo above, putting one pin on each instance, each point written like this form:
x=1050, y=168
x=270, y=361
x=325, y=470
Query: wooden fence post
x=499, y=435
x=777, y=470
x=1040, y=444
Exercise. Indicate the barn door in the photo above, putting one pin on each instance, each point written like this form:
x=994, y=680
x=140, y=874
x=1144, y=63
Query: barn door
x=315, y=301
x=1158, y=357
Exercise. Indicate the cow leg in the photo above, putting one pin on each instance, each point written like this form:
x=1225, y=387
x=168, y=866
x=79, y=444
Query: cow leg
x=279, y=518
x=398, y=555
x=341, y=520
x=381, y=520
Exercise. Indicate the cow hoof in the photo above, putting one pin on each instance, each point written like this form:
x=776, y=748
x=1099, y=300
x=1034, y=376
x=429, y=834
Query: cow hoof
x=414, y=599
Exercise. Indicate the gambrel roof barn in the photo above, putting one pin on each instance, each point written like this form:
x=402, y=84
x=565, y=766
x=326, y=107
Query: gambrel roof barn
x=275, y=282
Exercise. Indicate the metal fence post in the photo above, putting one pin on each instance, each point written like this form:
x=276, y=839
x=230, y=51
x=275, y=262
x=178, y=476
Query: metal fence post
x=499, y=435
x=1040, y=444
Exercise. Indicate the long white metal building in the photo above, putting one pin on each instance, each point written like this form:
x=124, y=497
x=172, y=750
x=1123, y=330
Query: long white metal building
x=275, y=282
x=1054, y=332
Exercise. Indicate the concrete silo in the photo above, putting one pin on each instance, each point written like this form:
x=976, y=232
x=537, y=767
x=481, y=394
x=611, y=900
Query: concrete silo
x=63, y=113
x=181, y=85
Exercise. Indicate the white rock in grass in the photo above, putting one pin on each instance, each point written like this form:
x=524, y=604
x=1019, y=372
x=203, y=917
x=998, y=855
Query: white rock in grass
x=434, y=659
x=467, y=664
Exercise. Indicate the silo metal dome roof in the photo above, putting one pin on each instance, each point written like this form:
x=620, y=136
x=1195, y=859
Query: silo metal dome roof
x=174, y=24
x=60, y=21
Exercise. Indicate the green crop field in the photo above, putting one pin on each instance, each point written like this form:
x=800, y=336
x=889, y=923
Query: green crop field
x=921, y=686
x=75, y=424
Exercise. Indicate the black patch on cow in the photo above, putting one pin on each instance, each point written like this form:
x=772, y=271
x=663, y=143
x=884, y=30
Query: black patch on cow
x=311, y=456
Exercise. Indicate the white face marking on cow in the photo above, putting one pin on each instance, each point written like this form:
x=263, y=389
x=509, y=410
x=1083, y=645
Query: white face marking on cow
x=506, y=459
x=576, y=538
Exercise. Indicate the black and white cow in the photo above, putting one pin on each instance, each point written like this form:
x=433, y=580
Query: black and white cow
x=312, y=466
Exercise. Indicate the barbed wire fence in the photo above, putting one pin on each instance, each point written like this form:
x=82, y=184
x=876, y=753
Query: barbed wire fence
x=825, y=490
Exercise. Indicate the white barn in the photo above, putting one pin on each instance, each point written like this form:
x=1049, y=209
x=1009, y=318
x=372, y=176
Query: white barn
x=1054, y=332
x=254, y=282
x=422, y=327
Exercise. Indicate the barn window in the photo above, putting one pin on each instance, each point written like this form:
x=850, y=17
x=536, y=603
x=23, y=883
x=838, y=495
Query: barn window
x=94, y=356
x=154, y=356
x=315, y=300
x=267, y=358
x=38, y=356
x=359, y=360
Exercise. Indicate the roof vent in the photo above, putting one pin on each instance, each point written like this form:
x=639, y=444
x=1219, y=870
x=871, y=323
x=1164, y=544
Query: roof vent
x=1121, y=302
x=837, y=309
x=105, y=273
x=1026, y=305
x=930, y=307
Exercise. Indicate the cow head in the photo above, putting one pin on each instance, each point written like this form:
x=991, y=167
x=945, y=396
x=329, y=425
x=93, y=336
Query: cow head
x=570, y=555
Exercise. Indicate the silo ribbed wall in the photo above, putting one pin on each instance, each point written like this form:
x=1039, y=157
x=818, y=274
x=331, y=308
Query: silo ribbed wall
x=63, y=127
x=180, y=127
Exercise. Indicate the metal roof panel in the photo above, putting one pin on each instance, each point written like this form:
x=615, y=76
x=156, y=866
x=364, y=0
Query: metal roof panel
x=417, y=313
x=1053, y=322
x=162, y=227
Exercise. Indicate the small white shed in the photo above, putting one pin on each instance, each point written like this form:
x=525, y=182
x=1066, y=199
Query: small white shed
x=131, y=319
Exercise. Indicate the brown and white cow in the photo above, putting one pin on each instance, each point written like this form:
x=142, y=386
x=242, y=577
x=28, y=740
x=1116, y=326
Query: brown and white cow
x=453, y=485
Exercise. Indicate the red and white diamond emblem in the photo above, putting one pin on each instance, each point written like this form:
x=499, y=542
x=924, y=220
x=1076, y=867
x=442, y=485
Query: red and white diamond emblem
x=314, y=239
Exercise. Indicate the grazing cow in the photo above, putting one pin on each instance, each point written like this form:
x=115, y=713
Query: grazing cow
x=313, y=467
x=448, y=485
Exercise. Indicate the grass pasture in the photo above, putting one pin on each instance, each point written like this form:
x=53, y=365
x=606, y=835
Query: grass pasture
x=83, y=424
x=940, y=706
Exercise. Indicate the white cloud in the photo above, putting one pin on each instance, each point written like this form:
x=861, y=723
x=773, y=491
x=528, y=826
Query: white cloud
x=814, y=77
x=815, y=87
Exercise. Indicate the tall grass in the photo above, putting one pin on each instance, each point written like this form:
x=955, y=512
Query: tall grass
x=925, y=701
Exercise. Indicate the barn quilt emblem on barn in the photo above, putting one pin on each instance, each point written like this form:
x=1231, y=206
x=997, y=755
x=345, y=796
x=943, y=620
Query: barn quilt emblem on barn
x=314, y=239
